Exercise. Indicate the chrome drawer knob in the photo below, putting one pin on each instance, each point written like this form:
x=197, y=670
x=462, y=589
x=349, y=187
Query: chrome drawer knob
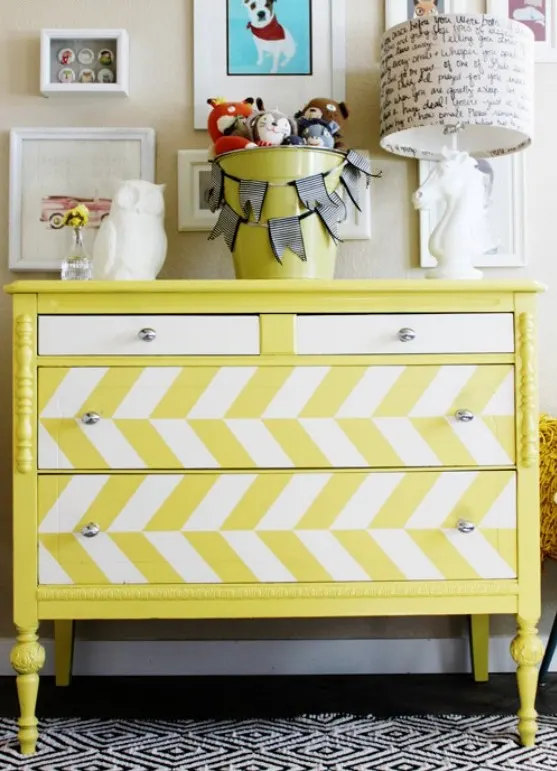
x=147, y=335
x=90, y=530
x=464, y=416
x=406, y=335
x=90, y=418
x=465, y=527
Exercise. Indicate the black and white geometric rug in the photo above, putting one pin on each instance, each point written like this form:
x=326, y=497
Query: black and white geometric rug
x=311, y=743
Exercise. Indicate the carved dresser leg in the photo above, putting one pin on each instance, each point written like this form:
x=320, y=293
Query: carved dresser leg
x=527, y=651
x=27, y=659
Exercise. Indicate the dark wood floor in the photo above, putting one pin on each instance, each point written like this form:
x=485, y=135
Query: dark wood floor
x=242, y=697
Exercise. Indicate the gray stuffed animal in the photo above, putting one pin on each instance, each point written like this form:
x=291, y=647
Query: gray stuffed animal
x=318, y=133
x=270, y=128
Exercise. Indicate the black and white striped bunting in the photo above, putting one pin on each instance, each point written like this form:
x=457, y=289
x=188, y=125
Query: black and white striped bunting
x=215, y=193
x=227, y=225
x=252, y=195
x=284, y=233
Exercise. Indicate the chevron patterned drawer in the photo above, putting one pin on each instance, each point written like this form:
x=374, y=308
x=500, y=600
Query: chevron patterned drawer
x=148, y=335
x=406, y=333
x=95, y=418
x=277, y=527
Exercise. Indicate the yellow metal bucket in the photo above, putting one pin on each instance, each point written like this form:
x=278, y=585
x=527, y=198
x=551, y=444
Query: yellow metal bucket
x=253, y=255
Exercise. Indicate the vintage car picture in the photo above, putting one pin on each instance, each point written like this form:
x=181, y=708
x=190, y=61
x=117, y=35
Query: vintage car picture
x=53, y=208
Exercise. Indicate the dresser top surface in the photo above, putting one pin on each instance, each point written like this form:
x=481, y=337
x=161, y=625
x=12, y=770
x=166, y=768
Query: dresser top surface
x=268, y=287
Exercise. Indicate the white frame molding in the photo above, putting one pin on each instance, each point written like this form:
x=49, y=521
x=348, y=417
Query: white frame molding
x=190, y=216
x=396, y=10
x=18, y=136
x=209, y=64
x=517, y=258
x=545, y=52
x=122, y=85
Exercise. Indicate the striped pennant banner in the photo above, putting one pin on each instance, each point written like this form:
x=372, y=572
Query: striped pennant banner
x=227, y=225
x=252, y=195
x=215, y=193
x=312, y=191
x=287, y=233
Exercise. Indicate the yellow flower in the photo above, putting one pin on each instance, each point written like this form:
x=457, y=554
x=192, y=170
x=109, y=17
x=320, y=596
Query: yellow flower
x=77, y=217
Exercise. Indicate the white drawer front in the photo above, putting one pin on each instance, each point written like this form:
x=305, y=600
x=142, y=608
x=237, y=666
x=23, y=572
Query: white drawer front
x=383, y=333
x=129, y=335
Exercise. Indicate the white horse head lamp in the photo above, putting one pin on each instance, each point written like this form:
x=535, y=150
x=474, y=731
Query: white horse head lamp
x=461, y=187
x=450, y=94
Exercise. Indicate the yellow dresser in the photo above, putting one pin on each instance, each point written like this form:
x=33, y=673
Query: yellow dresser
x=215, y=449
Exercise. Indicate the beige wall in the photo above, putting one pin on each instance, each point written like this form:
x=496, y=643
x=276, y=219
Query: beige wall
x=161, y=96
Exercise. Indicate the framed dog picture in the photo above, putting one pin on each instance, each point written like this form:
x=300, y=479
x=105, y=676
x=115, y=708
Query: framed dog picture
x=397, y=11
x=285, y=51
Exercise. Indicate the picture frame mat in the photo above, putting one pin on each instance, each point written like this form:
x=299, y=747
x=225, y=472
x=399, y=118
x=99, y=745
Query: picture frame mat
x=544, y=52
x=287, y=93
x=515, y=208
x=22, y=139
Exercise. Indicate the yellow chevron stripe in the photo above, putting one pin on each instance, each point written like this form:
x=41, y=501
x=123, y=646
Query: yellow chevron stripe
x=506, y=543
x=184, y=392
x=443, y=554
x=50, y=489
x=332, y=392
x=181, y=503
x=73, y=443
x=111, y=391
x=146, y=558
x=256, y=502
x=301, y=563
x=221, y=557
x=110, y=501
x=331, y=500
x=370, y=443
x=263, y=386
x=480, y=497
x=302, y=451
x=439, y=435
x=403, y=501
x=148, y=443
x=369, y=555
x=49, y=381
x=480, y=388
x=406, y=391
x=222, y=444
x=503, y=429
x=73, y=558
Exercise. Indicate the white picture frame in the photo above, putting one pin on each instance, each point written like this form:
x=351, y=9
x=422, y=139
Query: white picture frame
x=44, y=161
x=509, y=215
x=289, y=93
x=194, y=170
x=396, y=11
x=91, y=40
x=545, y=51
x=194, y=174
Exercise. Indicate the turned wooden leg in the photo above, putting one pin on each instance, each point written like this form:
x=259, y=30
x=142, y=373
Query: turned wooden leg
x=527, y=651
x=479, y=647
x=27, y=658
x=64, y=632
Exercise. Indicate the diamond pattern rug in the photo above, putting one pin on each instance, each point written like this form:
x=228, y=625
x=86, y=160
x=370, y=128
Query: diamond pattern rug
x=310, y=743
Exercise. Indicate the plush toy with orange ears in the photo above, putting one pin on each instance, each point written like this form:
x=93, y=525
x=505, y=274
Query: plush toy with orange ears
x=228, y=125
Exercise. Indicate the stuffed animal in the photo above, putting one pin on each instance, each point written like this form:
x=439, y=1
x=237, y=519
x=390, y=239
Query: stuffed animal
x=271, y=128
x=131, y=242
x=228, y=125
x=318, y=133
x=325, y=109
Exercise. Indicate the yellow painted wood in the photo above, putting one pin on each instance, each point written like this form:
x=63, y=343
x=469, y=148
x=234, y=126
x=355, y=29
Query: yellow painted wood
x=278, y=334
x=277, y=302
x=479, y=632
x=64, y=636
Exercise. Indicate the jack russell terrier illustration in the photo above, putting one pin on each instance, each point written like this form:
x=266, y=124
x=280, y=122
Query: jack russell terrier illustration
x=269, y=36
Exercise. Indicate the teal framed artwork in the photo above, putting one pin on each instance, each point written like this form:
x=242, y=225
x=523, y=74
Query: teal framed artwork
x=269, y=38
x=284, y=51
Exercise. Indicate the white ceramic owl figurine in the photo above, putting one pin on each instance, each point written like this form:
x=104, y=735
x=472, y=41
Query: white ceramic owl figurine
x=131, y=243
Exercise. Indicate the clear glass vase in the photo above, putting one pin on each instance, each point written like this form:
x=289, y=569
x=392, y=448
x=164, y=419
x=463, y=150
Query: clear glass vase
x=77, y=265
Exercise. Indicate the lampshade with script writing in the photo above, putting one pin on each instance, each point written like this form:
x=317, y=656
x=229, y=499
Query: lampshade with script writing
x=469, y=75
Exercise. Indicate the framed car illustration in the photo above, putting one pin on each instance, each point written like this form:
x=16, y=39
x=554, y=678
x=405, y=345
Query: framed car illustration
x=54, y=169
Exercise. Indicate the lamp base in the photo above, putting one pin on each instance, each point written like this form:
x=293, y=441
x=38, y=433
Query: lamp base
x=455, y=274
